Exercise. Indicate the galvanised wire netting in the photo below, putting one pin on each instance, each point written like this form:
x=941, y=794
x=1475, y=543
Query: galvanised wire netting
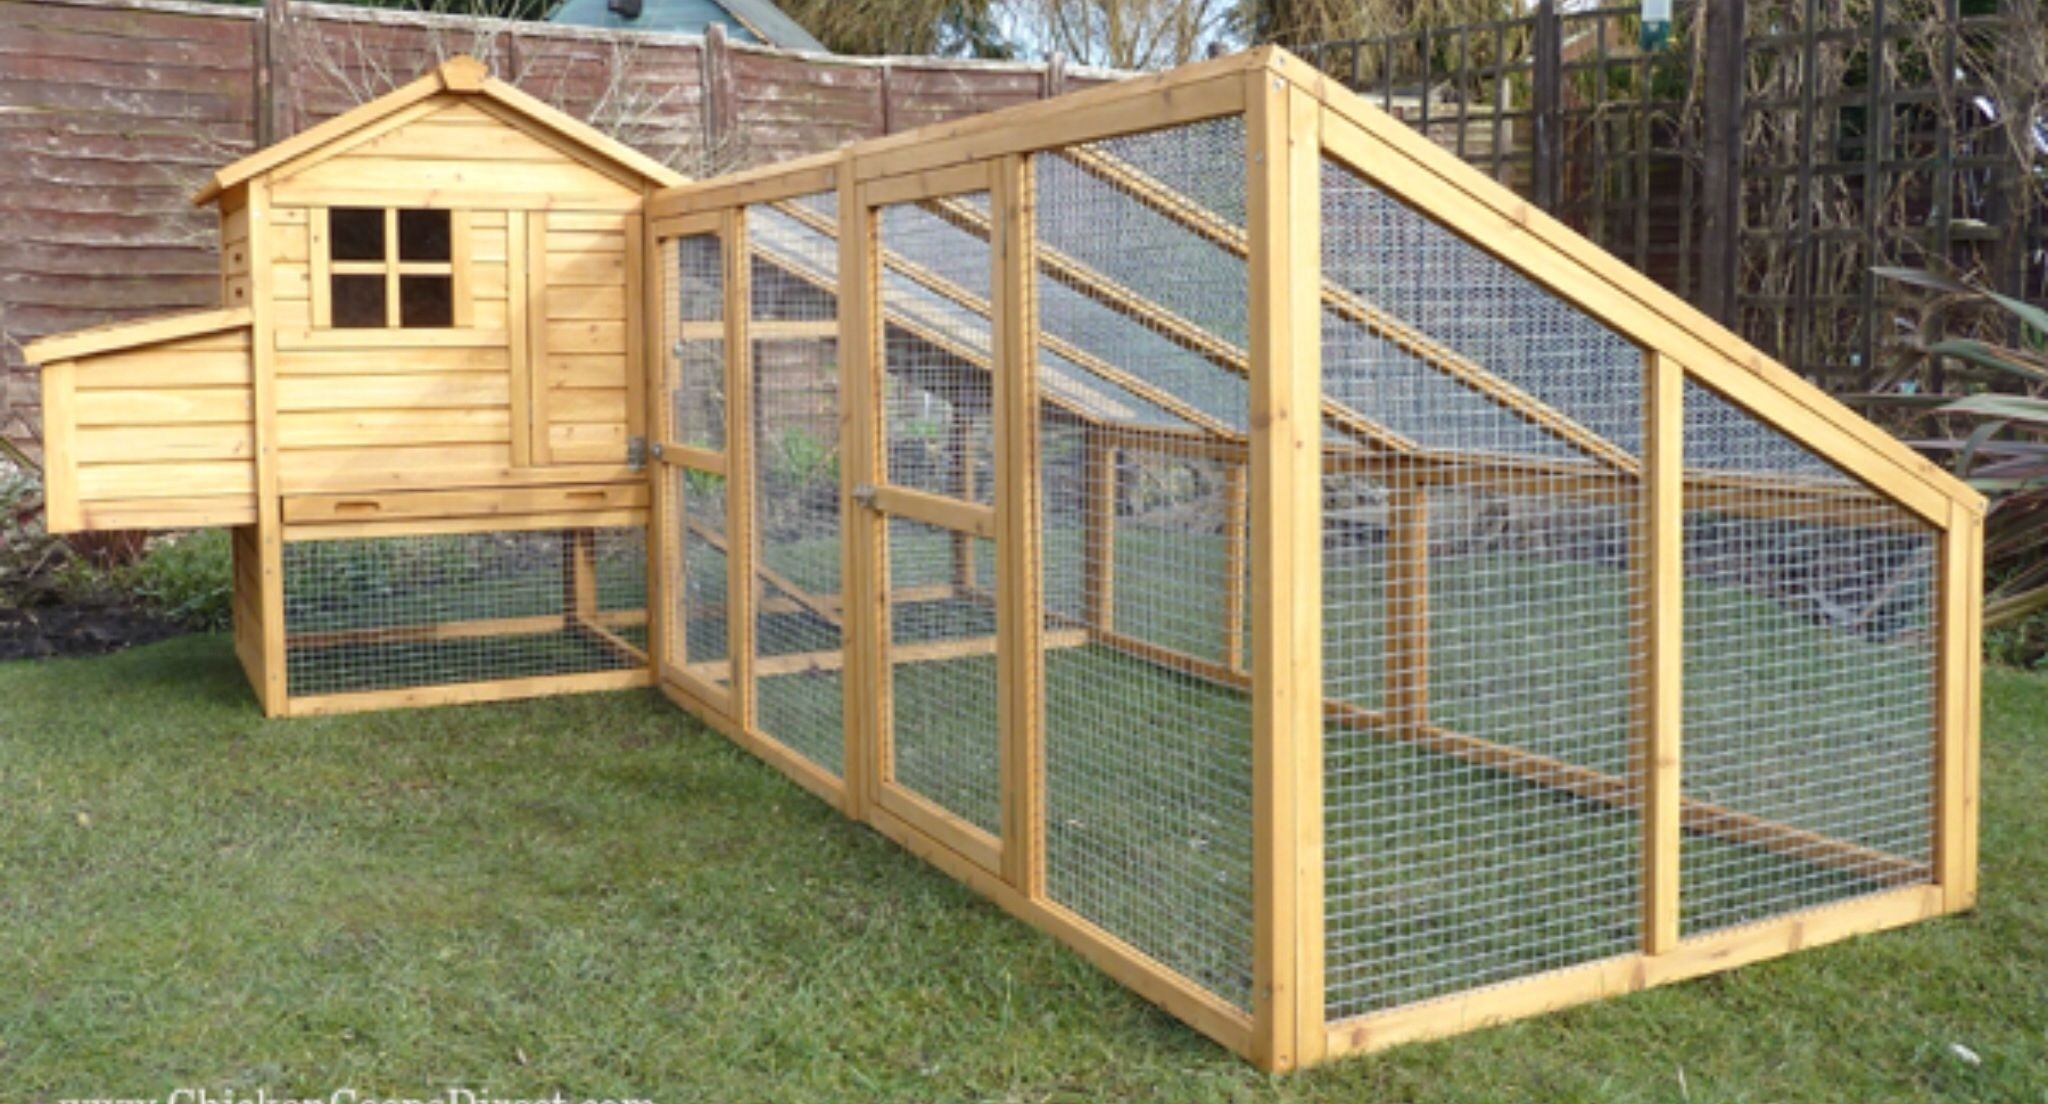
x=936, y=436
x=1147, y=728
x=1147, y=713
x=1477, y=624
x=942, y=672
x=700, y=582
x=402, y=612
x=798, y=620
x=694, y=268
x=1809, y=679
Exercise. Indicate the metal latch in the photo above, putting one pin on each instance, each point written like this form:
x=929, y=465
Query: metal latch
x=636, y=452
x=864, y=494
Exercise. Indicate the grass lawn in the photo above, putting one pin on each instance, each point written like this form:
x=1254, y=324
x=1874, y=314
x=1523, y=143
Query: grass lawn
x=598, y=895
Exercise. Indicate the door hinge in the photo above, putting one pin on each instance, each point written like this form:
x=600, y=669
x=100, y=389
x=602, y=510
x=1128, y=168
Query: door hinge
x=636, y=452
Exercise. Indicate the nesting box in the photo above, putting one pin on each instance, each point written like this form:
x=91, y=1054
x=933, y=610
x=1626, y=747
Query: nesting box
x=1216, y=524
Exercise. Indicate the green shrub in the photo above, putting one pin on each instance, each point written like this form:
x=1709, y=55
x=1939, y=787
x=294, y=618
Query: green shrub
x=187, y=578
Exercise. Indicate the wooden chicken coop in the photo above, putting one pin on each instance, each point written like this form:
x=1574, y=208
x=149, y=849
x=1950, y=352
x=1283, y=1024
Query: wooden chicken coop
x=417, y=408
x=1220, y=527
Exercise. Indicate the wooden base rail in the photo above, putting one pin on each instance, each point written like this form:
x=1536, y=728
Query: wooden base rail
x=1700, y=955
x=465, y=630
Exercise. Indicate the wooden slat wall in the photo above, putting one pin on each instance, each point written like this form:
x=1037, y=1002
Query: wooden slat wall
x=164, y=435
x=583, y=392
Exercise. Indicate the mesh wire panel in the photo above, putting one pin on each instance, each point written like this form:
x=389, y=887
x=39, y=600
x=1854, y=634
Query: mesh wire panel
x=1809, y=678
x=700, y=592
x=389, y=613
x=936, y=432
x=942, y=671
x=1477, y=629
x=1399, y=264
x=1147, y=709
x=694, y=269
x=796, y=513
x=1100, y=236
x=1147, y=735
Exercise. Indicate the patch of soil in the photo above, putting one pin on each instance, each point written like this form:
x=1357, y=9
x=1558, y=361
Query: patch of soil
x=46, y=631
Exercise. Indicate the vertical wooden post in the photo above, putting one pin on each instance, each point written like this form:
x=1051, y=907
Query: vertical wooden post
x=276, y=62
x=663, y=534
x=579, y=576
x=1098, y=533
x=1960, y=609
x=1236, y=555
x=720, y=114
x=741, y=577
x=863, y=553
x=960, y=442
x=269, y=507
x=1407, y=607
x=1020, y=611
x=1721, y=169
x=1661, y=534
x=1284, y=215
x=539, y=448
x=1546, y=106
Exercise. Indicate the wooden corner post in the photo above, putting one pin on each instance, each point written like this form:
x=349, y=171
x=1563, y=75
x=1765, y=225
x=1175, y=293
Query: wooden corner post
x=1020, y=612
x=861, y=545
x=275, y=692
x=1284, y=213
x=1660, y=539
x=740, y=547
x=1959, y=633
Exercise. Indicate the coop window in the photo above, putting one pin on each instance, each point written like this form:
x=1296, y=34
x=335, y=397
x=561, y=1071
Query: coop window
x=390, y=268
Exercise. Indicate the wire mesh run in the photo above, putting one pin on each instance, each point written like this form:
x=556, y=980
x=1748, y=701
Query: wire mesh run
x=1479, y=613
x=1147, y=707
x=402, y=612
x=798, y=622
x=1809, y=680
x=700, y=586
x=942, y=672
x=694, y=270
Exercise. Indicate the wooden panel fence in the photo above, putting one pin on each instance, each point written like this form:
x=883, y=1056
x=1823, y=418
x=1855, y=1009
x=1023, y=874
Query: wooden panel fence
x=112, y=112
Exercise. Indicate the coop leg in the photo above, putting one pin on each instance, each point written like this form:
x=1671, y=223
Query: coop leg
x=1407, y=600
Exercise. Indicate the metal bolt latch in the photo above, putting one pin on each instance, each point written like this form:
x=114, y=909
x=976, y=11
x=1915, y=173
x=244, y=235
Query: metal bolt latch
x=864, y=494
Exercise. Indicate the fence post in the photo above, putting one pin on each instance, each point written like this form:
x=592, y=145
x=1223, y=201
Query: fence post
x=1055, y=75
x=1721, y=175
x=1546, y=105
x=719, y=112
x=1877, y=142
x=275, y=118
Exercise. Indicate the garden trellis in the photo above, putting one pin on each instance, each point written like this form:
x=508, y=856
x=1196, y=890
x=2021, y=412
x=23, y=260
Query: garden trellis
x=1241, y=540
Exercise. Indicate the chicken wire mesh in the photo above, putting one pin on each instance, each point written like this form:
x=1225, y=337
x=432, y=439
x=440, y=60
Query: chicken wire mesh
x=693, y=268
x=401, y=612
x=1476, y=637
x=1147, y=722
x=1147, y=730
x=699, y=581
x=942, y=674
x=1809, y=679
x=798, y=627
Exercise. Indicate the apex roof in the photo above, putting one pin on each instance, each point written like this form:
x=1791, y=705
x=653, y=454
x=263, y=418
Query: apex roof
x=460, y=76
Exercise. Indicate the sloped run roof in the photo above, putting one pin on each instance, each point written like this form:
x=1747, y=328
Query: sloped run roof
x=465, y=76
x=745, y=20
